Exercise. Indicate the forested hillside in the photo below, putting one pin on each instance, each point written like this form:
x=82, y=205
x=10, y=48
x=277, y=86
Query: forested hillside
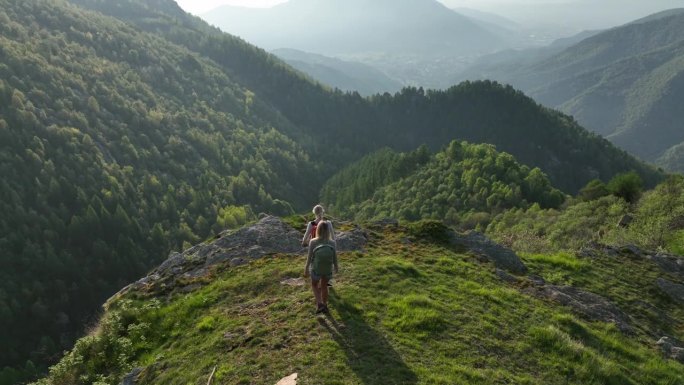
x=116, y=146
x=125, y=137
x=346, y=126
x=345, y=75
x=464, y=185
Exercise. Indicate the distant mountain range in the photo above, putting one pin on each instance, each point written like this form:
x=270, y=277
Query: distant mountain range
x=341, y=74
x=337, y=27
x=625, y=83
x=417, y=42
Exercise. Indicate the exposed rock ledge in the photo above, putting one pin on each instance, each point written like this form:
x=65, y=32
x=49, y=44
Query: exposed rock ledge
x=502, y=257
x=673, y=290
x=589, y=305
x=672, y=348
x=269, y=236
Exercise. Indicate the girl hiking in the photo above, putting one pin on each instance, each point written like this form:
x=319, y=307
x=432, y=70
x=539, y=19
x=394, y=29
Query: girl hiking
x=321, y=262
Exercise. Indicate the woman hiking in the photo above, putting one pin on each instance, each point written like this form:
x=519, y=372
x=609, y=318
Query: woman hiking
x=321, y=262
x=311, y=227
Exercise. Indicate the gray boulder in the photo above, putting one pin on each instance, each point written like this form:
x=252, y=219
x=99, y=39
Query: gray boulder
x=131, y=378
x=268, y=236
x=669, y=263
x=671, y=348
x=673, y=290
x=589, y=305
x=353, y=240
x=625, y=221
x=502, y=257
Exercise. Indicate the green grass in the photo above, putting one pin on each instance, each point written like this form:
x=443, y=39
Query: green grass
x=675, y=243
x=416, y=313
x=561, y=260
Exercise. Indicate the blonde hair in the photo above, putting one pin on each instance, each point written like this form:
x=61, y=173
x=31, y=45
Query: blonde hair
x=318, y=210
x=323, y=231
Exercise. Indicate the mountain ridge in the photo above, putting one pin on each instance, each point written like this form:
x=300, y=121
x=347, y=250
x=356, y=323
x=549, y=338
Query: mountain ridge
x=442, y=297
x=377, y=17
x=618, y=83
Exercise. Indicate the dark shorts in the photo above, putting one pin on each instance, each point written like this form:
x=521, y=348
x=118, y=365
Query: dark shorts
x=315, y=277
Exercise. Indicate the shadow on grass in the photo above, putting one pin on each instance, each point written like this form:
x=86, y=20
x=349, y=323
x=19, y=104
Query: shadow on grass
x=369, y=355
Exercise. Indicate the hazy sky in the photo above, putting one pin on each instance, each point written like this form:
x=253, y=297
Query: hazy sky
x=575, y=14
x=200, y=6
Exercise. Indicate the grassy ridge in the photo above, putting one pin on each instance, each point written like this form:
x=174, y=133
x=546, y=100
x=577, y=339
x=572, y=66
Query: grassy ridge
x=407, y=311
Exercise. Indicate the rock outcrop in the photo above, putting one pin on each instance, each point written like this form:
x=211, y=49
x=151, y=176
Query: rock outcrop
x=668, y=263
x=289, y=380
x=672, y=348
x=589, y=305
x=269, y=236
x=131, y=378
x=673, y=290
x=502, y=257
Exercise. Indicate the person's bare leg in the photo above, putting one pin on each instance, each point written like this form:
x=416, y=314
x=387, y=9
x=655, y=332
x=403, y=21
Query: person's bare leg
x=316, y=291
x=324, y=290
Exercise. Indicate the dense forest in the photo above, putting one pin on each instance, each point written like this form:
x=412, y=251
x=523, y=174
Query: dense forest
x=122, y=138
x=105, y=170
x=345, y=126
x=464, y=185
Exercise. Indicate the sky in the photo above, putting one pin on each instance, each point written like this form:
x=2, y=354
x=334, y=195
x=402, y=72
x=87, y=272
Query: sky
x=197, y=7
x=573, y=14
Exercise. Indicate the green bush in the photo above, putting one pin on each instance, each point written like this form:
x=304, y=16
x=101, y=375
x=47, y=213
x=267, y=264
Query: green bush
x=627, y=186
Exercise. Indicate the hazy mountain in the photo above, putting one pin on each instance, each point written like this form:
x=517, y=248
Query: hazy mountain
x=341, y=74
x=659, y=15
x=673, y=159
x=336, y=27
x=622, y=83
x=489, y=18
x=418, y=42
x=506, y=64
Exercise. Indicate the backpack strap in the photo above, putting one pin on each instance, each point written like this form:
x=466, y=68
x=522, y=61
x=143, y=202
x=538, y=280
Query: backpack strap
x=321, y=246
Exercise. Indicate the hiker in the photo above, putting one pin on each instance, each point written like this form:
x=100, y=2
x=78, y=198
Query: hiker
x=321, y=262
x=311, y=227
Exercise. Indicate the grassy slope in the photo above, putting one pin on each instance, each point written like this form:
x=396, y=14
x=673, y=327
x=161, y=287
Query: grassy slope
x=402, y=313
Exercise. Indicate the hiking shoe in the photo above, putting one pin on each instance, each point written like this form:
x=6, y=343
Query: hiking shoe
x=325, y=309
x=321, y=308
x=329, y=284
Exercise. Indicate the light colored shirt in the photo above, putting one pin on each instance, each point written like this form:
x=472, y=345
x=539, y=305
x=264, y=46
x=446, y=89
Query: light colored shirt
x=308, y=235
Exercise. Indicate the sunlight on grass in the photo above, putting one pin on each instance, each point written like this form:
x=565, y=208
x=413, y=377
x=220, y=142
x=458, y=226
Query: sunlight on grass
x=562, y=260
x=675, y=243
x=414, y=313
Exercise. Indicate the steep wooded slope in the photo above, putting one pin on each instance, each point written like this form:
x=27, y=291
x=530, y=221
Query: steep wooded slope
x=348, y=126
x=116, y=146
x=463, y=185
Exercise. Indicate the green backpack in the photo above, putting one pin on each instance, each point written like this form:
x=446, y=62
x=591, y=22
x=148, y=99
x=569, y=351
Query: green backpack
x=323, y=256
